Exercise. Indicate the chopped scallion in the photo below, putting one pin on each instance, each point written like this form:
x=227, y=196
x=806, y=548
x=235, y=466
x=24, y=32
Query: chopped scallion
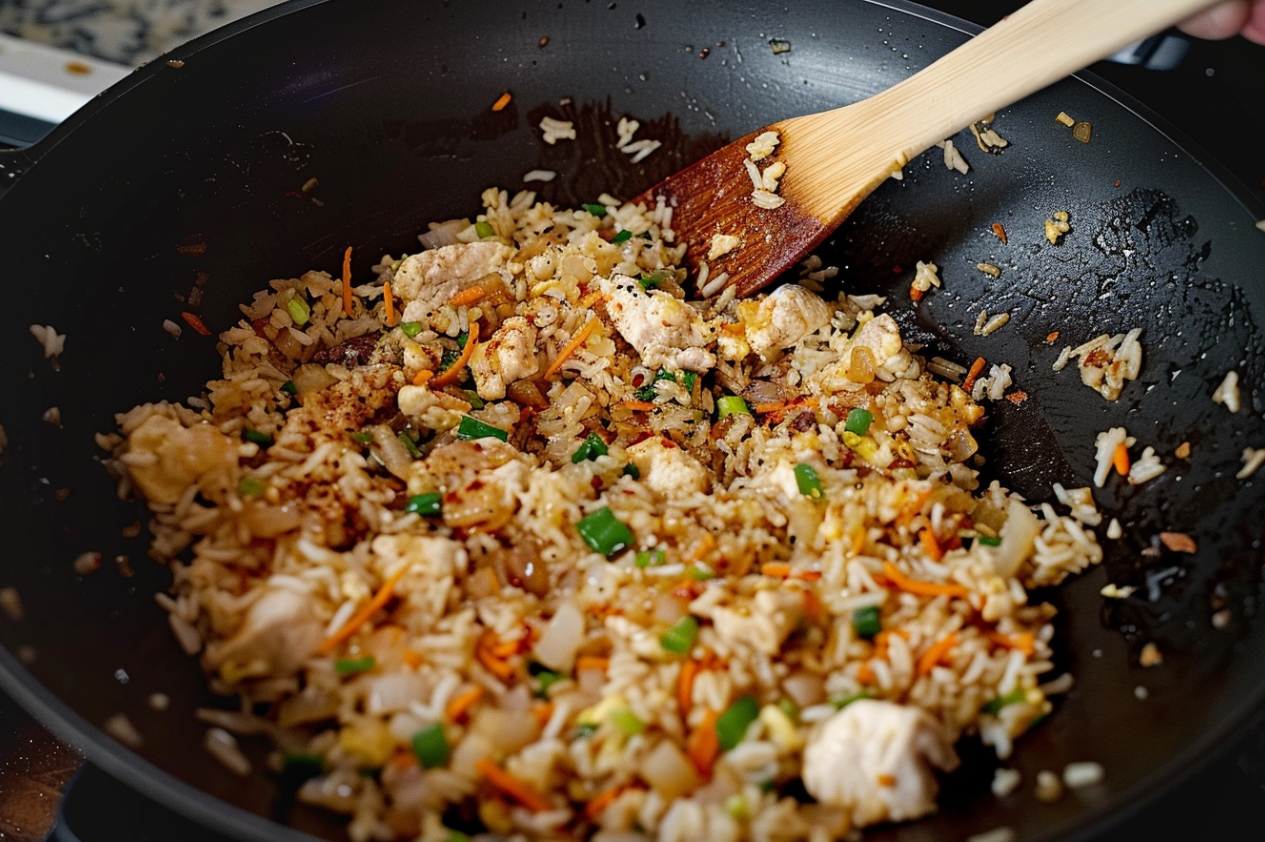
x=622, y=237
x=866, y=621
x=631, y=470
x=483, y=230
x=473, y=428
x=603, y=532
x=858, y=421
x=627, y=722
x=651, y=558
x=299, y=310
x=989, y=541
x=472, y=398
x=350, y=666
x=597, y=210
x=300, y=764
x=409, y=444
x=250, y=487
x=261, y=439
x=362, y=437
x=679, y=638
x=411, y=329
x=732, y=725
x=590, y=449
x=545, y=679
x=431, y=746
x=585, y=730
x=427, y=505
x=850, y=698
x=1013, y=697
x=731, y=405
x=808, y=481
x=736, y=805
x=651, y=281
x=457, y=836
x=688, y=378
x=702, y=573
x=289, y=388
x=789, y=708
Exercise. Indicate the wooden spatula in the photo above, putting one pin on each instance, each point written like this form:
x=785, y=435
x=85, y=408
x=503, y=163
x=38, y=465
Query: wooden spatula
x=834, y=159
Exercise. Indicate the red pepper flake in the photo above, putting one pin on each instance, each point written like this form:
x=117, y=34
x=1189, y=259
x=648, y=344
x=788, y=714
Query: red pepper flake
x=1178, y=542
x=1117, y=182
x=1000, y=232
x=1017, y=397
x=193, y=249
x=1052, y=337
x=194, y=322
x=896, y=270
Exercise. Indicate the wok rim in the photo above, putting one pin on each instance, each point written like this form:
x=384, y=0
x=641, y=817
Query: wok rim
x=153, y=782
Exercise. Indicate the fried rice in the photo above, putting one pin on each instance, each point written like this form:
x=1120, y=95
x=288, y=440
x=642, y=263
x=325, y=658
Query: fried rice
x=515, y=541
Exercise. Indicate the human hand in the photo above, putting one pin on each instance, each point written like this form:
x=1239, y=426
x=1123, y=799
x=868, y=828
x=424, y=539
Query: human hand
x=1236, y=17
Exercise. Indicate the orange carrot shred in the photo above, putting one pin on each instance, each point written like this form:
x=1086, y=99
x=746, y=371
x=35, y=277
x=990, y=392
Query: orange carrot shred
x=543, y=713
x=194, y=322
x=685, y=686
x=598, y=803
x=1016, y=397
x=502, y=101
x=938, y=650
x=1052, y=337
x=1024, y=642
x=468, y=296
x=1120, y=458
x=497, y=666
x=381, y=598
x=412, y=659
x=516, y=788
x=1000, y=232
x=930, y=545
x=402, y=760
x=347, y=282
x=777, y=569
x=506, y=648
x=865, y=675
x=977, y=368
x=915, y=586
x=640, y=406
x=915, y=294
x=592, y=662
x=703, y=744
x=452, y=372
x=581, y=336
x=814, y=609
x=458, y=706
x=389, y=299
x=423, y=377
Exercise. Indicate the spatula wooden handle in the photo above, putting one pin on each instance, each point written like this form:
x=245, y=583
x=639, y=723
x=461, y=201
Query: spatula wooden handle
x=1032, y=48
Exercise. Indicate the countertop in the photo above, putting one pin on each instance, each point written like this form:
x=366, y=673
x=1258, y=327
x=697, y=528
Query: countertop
x=35, y=766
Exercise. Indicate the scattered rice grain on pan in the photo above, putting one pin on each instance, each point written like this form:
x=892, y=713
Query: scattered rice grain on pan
x=1253, y=458
x=554, y=130
x=1106, y=444
x=1082, y=774
x=1106, y=362
x=539, y=175
x=52, y=342
x=11, y=604
x=1227, y=393
x=540, y=545
x=1006, y=781
x=1146, y=467
x=122, y=729
x=997, y=834
x=953, y=157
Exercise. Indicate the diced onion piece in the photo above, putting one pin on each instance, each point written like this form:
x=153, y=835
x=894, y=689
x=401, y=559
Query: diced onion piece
x=1017, y=536
x=561, y=638
x=669, y=771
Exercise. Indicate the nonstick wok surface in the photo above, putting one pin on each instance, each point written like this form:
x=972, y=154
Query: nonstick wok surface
x=181, y=190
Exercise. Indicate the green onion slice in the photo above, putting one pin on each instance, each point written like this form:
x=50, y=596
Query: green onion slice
x=866, y=621
x=590, y=449
x=1013, y=697
x=351, y=666
x=732, y=725
x=651, y=558
x=250, y=487
x=808, y=481
x=409, y=444
x=473, y=428
x=289, y=387
x=603, y=532
x=679, y=638
x=299, y=310
x=427, y=505
x=302, y=764
x=585, y=730
x=597, y=210
x=858, y=421
x=849, y=699
x=731, y=405
x=362, y=437
x=651, y=281
x=789, y=708
x=989, y=541
x=622, y=237
x=702, y=573
x=411, y=329
x=627, y=722
x=431, y=746
x=484, y=230
x=631, y=470
x=261, y=439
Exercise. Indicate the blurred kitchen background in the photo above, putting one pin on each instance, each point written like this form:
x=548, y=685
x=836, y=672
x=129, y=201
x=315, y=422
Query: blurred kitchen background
x=55, y=54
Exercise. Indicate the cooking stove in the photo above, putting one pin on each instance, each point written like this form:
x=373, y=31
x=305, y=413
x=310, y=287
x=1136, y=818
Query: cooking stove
x=55, y=55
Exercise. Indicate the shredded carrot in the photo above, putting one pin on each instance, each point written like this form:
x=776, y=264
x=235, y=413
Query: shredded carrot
x=592, y=662
x=590, y=299
x=581, y=336
x=930, y=545
x=781, y=406
x=1024, y=642
x=977, y=368
x=781, y=570
x=640, y=406
x=194, y=322
x=485, y=654
x=703, y=744
x=389, y=299
x=543, y=713
x=915, y=586
x=452, y=372
x=1017, y=397
x=1000, y=232
x=412, y=659
x=938, y=650
x=501, y=101
x=402, y=760
x=381, y=598
x=458, y=706
x=915, y=294
x=468, y=296
x=913, y=507
x=859, y=538
x=347, y=282
x=1121, y=459
x=598, y=803
x=507, y=648
x=865, y=675
x=423, y=377
x=705, y=545
x=516, y=788
x=1052, y=337
x=814, y=609
x=887, y=781
x=685, y=686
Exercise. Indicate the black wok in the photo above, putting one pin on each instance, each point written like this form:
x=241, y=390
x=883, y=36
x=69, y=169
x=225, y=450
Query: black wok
x=181, y=190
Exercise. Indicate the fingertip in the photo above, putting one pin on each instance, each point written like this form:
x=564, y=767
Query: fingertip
x=1254, y=29
x=1221, y=21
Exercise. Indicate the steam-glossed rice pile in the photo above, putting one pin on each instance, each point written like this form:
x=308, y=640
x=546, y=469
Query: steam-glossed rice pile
x=555, y=551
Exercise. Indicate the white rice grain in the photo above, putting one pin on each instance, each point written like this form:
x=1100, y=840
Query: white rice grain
x=11, y=604
x=540, y=175
x=997, y=834
x=1006, y=781
x=1253, y=458
x=554, y=130
x=222, y=745
x=1083, y=774
x=1227, y=394
x=122, y=729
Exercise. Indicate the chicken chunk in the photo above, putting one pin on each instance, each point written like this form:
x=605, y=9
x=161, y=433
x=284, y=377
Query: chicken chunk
x=280, y=632
x=667, y=469
x=782, y=319
x=508, y=356
x=429, y=279
x=772, y=617
x=875, y=760
x=666, y=331
x=183, y=456
x=882, y=336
